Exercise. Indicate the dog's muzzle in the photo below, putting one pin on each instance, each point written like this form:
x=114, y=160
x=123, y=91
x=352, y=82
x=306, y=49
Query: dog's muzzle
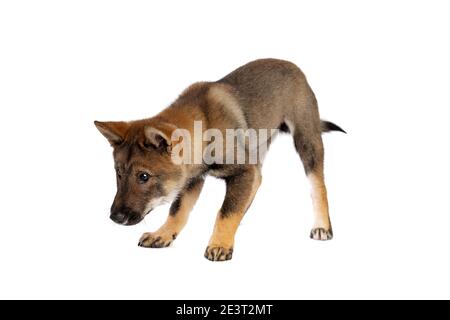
x=125, y=217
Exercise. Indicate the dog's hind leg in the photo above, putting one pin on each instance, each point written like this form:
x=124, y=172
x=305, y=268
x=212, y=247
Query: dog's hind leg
x=178, y=216
x=308, y=142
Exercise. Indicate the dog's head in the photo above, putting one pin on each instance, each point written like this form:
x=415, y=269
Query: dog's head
x=146, y=176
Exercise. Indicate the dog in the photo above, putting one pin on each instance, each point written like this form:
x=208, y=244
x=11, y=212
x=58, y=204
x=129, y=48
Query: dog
x=266, y=94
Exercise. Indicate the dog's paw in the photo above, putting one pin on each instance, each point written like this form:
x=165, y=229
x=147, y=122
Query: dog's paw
x=321, y=234
x=215, y=253
x=155, y=240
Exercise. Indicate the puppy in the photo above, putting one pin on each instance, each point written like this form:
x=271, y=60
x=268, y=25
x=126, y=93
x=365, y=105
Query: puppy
x=167, y=157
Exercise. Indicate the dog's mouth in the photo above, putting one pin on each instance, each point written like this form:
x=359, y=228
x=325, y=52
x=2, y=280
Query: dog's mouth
x=133, y=220
x=129, y=220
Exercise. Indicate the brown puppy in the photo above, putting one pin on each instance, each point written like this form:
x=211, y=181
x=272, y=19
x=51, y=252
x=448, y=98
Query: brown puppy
x=262, y=95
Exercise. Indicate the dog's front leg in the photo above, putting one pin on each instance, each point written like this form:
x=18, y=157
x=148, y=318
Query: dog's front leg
x=240, y=191
x=178, y=216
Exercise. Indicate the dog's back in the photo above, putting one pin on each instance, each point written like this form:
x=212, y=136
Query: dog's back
x=272, y=92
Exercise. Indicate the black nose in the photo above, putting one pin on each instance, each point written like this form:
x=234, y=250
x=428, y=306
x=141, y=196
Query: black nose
x=125, y=216
x=118, y=217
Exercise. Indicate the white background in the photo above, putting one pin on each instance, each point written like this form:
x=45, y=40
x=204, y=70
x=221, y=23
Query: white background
x=380, y=69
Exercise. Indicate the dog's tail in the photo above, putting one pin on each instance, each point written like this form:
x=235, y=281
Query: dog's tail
x=328, y=126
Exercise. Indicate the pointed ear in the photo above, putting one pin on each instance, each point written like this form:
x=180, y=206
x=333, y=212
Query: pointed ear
x=115, y=132
x=159, y=136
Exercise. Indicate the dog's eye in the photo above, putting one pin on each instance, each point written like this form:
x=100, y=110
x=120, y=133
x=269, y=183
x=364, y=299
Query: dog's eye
x=143, y=177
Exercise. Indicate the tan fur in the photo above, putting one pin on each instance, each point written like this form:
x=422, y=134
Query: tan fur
x=223, y=96
x=222, y=239
x=319, y=198
x=165, y=235
x=322, y=226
